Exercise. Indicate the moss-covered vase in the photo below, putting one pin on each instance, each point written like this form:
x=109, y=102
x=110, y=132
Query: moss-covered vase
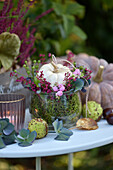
x=66, y=108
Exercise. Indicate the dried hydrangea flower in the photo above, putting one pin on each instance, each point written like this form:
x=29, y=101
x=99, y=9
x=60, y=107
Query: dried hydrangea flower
x=9, y=48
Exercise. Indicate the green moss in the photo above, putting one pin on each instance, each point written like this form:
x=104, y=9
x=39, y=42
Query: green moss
x=46, y=106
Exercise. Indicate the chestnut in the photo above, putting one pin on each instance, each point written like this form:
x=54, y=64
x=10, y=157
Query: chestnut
x=110, y=119
x=108, y=115
x=107, y=112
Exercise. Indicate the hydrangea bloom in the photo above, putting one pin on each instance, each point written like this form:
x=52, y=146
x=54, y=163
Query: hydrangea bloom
x=59, y=93
x=55, y=88
x=62, y=88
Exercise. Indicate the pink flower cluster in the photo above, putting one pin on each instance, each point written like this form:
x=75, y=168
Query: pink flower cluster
x=77, y=73
x=59, y=89
x=43, y=58
x=38, y=83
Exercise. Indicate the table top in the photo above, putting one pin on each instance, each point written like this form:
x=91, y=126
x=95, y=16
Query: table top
x=79, y=141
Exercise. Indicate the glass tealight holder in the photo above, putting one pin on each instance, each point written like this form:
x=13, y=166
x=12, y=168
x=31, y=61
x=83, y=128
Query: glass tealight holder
x=12, y=106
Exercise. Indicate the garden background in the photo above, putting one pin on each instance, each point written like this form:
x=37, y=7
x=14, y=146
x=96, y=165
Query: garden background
x=81, y=26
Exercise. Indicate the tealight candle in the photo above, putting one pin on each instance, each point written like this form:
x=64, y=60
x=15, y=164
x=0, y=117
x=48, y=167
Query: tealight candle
x=12, y=106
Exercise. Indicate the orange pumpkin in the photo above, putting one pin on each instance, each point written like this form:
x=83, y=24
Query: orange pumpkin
x=101, y=88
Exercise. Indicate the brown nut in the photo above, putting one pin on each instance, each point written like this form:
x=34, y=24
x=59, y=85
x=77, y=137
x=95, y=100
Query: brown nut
x=86, y=124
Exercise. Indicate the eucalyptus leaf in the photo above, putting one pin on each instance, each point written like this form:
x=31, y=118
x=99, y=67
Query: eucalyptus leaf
x=24, y=133
x=8, y=129
x=32, y=136
x=78, y=84
x=24, y=144
x=9, y=139
x=2, y=144
x=62, y=137
x=25, y=137
x=62, y=133
x=60, y=126
x=6, y=119
x=89, y=81
x=66, y=132
x=55, y=125
x=18, y=140
x=3, y=124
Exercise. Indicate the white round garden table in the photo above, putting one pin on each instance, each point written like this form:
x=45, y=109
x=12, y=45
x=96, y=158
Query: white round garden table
x=79, y=141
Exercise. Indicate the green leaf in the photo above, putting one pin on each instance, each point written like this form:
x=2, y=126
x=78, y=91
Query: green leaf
x=55, y=125
x=60, y=126
x=6, y=61
x=24, y=144
x=2, y=144
x=107, y=4
x=3, y=124
x=59, y=8
x=69, y=23
x=8, y=129
x=78, y=31
x=32, y=136
x=24, y=133
x=9, y=139
x=62, y=31
x=36, y=81
x=46, y=4
x=62, y=137
x=78, y=84
x=56, y=45
x=75, y=8
x=18, y=139
x=66, y=132
x=71, y=8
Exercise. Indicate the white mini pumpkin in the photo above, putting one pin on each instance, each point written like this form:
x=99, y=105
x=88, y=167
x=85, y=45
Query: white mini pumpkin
x=54, y=73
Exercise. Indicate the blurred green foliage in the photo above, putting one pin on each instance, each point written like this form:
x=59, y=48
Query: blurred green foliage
x=58, y=30
x=95, y=159
x=98, y=25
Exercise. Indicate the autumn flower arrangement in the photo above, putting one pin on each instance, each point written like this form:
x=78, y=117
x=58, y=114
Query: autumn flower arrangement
x=35, y=80
x=55, y=89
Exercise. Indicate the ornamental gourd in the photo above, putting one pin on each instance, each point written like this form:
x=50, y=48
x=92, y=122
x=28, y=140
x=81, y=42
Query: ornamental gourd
x=54, y=73
x=101, y=88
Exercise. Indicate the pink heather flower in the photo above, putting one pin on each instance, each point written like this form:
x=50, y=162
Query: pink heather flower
x=55, y=88
x=49, y=55
x=62, y=88
x=48, y=91
x=77, y=72
x=59, y=93
x=60, y=85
